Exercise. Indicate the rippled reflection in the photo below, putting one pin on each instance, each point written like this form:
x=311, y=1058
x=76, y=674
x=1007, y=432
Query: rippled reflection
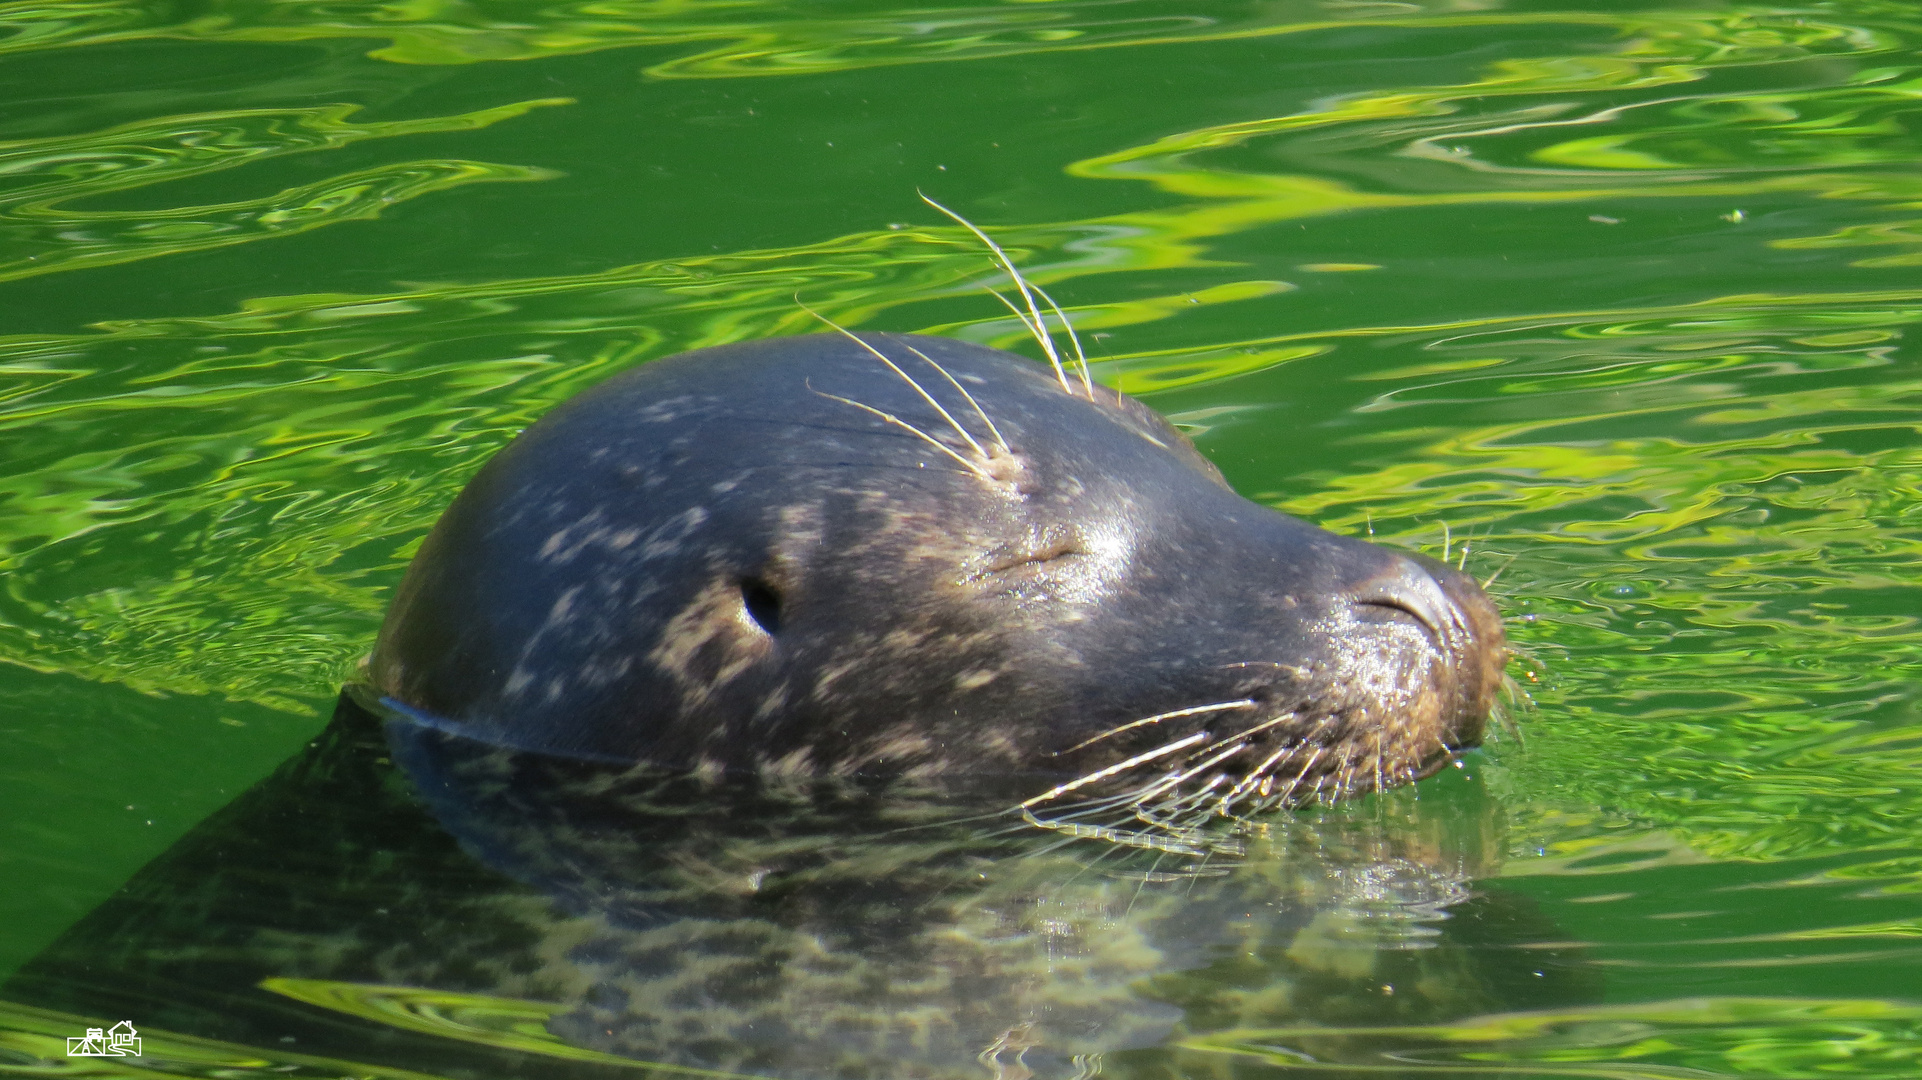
x=42, y=233
x=1613, y=306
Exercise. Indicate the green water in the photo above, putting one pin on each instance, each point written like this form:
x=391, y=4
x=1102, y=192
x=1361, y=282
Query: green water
x=1615, y=299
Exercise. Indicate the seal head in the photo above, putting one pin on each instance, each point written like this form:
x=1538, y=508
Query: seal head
x=896, y=555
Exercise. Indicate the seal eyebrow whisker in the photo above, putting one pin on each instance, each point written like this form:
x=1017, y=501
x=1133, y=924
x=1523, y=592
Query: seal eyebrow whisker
x=1123, y=766
x=905, y=377
x=892, y=419
x=979, y=411
x=1035, y=325
x=1219, y=706
x=1038, y=333
x=1087, y=380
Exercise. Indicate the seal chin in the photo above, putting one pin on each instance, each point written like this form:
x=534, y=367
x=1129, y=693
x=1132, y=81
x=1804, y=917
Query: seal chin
x=910, y=556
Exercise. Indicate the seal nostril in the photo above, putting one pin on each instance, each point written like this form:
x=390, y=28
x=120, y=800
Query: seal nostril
x=1389, y=605
x=763, y=604
x=1413, y=591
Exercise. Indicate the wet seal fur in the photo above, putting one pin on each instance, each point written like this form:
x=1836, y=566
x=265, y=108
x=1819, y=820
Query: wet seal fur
x=895, y=555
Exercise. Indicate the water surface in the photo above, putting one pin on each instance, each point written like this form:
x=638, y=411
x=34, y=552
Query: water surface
x=1610, y=301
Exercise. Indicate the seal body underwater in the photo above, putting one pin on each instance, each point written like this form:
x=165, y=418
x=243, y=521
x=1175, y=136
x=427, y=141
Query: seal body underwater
x=480, y=912
x=912, y=556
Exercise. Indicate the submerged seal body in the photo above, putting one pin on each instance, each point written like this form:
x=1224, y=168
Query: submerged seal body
x=896, y=555
x=399, y=901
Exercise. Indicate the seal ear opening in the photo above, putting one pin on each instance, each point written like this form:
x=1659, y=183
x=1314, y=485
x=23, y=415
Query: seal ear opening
x=763, y=605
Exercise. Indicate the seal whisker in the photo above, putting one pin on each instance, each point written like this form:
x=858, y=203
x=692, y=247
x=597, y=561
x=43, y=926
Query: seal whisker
x=1161, y=814
x=931, y=440
x=1503, y=712
x=1127, y=837
x=1256, y=776
x=1153, y=867
x=1087, y=380
x=1219, y=706
x=1088, y=867
x=1076, y=813
x=1295, y=669
x=1303, y=774
x=1177, y=778
x=1380, y=781
x=1264, y=725
x=1499, y=570
x=1039, y=333
x=1448, y=752
x=1093, y=806
x=1035, y=324
x=978, y=410
x=1122, y=766
x=905, y=377
x=1518, y=694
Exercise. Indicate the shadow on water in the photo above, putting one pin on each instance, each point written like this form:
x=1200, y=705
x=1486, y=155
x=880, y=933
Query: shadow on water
x=406, y=899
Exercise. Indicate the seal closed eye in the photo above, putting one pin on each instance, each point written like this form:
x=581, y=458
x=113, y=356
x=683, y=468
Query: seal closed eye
x=896, y=555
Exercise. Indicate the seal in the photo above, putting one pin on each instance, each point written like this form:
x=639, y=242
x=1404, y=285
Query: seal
x=897, y=555
x=693, y=731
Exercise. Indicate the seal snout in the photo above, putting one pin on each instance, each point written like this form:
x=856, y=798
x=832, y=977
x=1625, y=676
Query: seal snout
x=1465, y=630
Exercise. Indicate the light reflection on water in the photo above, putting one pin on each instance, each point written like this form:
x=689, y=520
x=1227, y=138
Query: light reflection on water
x=1616, y=301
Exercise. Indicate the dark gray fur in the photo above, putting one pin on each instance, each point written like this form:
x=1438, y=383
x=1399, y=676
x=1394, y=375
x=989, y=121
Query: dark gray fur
x=754, y=558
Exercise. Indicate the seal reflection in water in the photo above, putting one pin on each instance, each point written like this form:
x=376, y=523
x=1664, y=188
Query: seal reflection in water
x=503, y=913
x=841, y=706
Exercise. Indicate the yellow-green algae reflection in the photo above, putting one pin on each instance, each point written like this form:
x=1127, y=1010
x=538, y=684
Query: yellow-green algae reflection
x=1626, y=322
x=41, y=234
x=771, y=39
